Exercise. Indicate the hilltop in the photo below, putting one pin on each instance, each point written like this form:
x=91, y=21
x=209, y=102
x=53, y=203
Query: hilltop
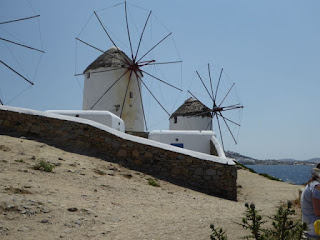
x=88, y=198
x=252, y=161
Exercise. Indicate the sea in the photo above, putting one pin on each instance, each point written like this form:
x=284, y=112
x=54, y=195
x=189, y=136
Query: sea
x=296, y=174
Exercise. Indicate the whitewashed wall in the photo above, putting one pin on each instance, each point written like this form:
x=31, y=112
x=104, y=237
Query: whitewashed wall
x=98, y=83
x=190, y=123
x=198, y=141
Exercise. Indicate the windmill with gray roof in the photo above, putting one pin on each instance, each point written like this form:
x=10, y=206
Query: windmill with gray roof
x=114, y=81
x=221, y=105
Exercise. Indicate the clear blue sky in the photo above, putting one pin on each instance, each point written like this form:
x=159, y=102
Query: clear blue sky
x=270, y=49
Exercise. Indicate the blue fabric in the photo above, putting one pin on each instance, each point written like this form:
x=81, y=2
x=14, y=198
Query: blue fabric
x=316, y=192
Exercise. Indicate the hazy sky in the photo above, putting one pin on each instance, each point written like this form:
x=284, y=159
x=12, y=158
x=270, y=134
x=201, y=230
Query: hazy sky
x=270, y=49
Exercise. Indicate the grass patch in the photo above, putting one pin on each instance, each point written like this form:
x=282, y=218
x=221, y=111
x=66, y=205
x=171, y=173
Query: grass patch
x=153, y=182
x=43, y=166
x=261, y=174
x=17, y=190
x=19, y=160
x=246, y=168
x=270, y=177
x=98, y=171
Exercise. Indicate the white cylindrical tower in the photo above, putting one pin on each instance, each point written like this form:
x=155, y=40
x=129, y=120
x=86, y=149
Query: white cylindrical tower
x=191, y=115
x=108, y=86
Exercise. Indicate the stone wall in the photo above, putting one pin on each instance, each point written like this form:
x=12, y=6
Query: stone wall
x=178, y=167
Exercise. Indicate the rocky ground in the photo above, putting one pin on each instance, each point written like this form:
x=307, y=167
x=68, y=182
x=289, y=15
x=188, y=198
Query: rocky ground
x=88, y=198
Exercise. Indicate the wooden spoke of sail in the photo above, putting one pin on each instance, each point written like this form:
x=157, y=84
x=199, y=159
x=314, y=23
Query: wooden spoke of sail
x=220, y=132
x=229, y=120
x=204, y=85
x=193, y=95
x=211, y=85
x=20, y=19
x=226, y=94
x=161, y=80
x=1, y=102
x=125, y=9
x=210, y=123
x=105, y=30
x=21, y=45
x=228, y=128
x=109, y=89
x=215, y=97
x=154, y=47
x=160, y=63
x=144, y=115
x=16, y=72
x=125, y=95
x=229, y=109
x=141, y=36
x=153, y=96
x=88, y=44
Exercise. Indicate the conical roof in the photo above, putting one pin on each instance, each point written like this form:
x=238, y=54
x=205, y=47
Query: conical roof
x=192, y=107
x=110, y=58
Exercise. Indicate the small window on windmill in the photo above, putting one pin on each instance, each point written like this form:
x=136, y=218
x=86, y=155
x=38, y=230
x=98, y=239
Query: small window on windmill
x=131, y=94
x=175, y=119
x=88, y=75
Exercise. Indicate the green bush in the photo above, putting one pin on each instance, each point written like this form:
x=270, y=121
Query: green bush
x=218, y=234
x=284, y=226
x=153, y=182
x=43, y=166
x=19, y=160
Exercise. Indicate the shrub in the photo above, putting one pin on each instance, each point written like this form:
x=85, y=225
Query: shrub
x=153, y=182
x=44, y=166
x=19, y=160
x=253, y=222
x=284, y=226
x=218, y=234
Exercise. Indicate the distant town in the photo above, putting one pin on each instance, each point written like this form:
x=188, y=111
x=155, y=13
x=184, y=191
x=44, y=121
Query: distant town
x=245, y=160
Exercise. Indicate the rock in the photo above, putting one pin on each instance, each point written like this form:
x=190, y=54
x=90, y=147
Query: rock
x=198, y=171
x=44, y=221
x=78, y=222
x=110, y=173
x=4, y=230
x=45, y=210
x=33, y=158
x=72, y=209
x=122, y=153
x=127, y=175
x=4, y=148
x=211, y=172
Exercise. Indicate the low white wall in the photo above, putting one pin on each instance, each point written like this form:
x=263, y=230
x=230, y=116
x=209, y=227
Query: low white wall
x=104, y=117
x=193, y=140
